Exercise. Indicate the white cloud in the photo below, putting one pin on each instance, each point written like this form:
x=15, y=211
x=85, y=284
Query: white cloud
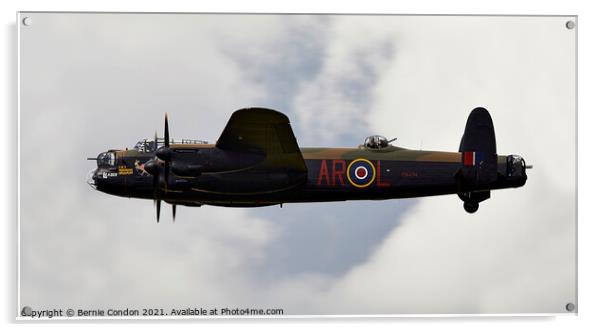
x=337, y=100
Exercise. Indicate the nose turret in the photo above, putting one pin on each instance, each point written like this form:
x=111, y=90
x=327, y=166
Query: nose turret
x=106, y=177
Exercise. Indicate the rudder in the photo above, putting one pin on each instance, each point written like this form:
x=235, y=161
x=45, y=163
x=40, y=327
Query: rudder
x=479, y=151
x=479, y=159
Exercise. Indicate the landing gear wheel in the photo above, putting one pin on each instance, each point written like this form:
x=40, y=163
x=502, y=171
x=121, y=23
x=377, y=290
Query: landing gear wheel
x=471, y=207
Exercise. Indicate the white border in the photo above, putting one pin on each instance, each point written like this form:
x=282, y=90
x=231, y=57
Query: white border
x=590, y=276
x=18, y=163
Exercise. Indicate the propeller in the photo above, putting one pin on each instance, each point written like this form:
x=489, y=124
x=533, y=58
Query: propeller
x=154, y=165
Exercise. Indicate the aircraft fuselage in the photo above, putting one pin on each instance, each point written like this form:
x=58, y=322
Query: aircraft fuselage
x=333, y=174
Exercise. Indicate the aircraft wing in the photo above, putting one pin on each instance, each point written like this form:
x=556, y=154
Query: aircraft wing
x=265, y=131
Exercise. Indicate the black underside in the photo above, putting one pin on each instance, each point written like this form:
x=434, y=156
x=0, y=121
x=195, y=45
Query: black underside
x=396, y=179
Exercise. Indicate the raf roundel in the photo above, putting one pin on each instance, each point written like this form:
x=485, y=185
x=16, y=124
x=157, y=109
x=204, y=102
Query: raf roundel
x=361, y=173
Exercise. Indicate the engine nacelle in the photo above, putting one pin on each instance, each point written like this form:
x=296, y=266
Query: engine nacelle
x=185, y=169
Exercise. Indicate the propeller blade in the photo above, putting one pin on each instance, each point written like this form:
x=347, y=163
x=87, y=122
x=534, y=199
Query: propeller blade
x=156, y=144
x=166, y=166
x=173, y=212
x=158, y=209
x=166, y=132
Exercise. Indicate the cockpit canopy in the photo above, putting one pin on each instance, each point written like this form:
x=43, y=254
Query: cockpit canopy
x=145, y=145
x=377, y=142
x=148, y=144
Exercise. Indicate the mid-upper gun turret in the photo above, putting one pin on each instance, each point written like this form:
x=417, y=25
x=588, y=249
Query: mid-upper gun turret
x=377, y=142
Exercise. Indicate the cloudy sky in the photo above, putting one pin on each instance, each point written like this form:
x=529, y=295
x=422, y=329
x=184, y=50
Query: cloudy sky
x=90, y=82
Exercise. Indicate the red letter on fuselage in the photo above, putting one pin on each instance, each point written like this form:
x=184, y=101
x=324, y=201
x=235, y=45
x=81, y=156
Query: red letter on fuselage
x=338, y=173
x=380, y=183
x=323, y=174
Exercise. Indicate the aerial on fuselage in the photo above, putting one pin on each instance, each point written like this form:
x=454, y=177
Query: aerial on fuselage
x=256, y=161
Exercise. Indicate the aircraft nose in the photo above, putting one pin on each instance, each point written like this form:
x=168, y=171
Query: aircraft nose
x=91, y=178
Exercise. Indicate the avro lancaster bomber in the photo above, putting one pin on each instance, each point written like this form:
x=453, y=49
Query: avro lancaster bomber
x=256, y=162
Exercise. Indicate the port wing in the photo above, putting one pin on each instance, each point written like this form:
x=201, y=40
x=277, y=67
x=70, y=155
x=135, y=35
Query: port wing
x=266, y=131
